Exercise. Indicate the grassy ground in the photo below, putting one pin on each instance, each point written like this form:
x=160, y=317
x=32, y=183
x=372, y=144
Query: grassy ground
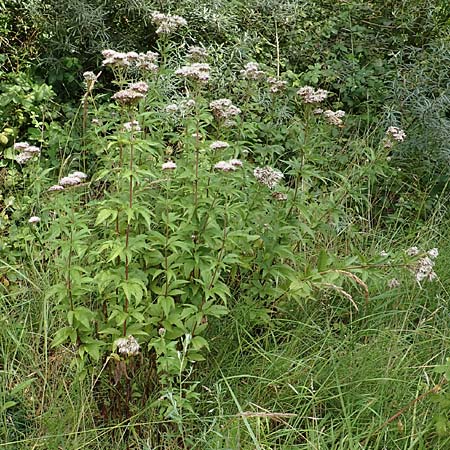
x=317, y=376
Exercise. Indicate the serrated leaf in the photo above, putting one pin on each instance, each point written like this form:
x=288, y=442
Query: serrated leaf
x=93, y=350
x=216, y=310
x=84, y=316
x=61, y=336
x=167, y=304
x=199, y=342
x=103, y=215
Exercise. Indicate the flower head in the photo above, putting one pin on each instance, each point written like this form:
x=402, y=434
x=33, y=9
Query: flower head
x=334, y=117
x=224, y=109
x=393, y=283
x=195, y=71
x=276, y=85
x=396, y=133
x=172, y=108
x=22, y=158
x=196, y=53
x=69, y=181
x=166, y=23
x=21, y=145
x=128, y=346
x=169, y=165
x=55, y=187
x=78, y=174
x=224, y=166
x=311, y=95
x=424, y=269
x=268, y=176
x=216, y=145
x=132, y=126
x=34, y=219
x=236, y=162
x=280, y=196
x=27, y=151
x=115, y=59
x=140, y=86
x=73, y=179
x=412, y=251
x=147, y=61
x=90, y=78
x=131, y=95
x=142, y=61
x=251, y=72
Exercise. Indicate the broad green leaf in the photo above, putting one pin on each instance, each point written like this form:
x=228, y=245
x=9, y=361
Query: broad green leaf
x=167, y=304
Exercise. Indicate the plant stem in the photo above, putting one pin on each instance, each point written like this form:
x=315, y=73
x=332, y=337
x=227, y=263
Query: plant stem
x=127, y=232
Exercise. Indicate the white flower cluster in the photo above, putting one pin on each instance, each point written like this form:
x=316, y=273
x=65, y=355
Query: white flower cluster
x=195, y=71
x=412, y=251
x=144, y=61
x=34, y=219
x=27, y=151
x=172, y=108
x=55, y=187
x=280, y=196
x=228, y=166
x=334, y=117
x=423, y=269
x=224, y=109
x=131, y=95
x=140, y=86
x=132, y=126
x=218, y=145
x=184, y=107
x=196, y=53
x=169, y=165
x=276, y=85
x=268, y=176
x=311, y=95
x=73, y=179
x=394, y=134
x=147, y=61
x=128, y=346
x=251, y=72
x=166, y=23
x=90, y=78
x=393, y=283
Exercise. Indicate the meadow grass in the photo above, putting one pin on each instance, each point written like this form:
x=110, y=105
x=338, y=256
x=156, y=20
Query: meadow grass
x=316, y=376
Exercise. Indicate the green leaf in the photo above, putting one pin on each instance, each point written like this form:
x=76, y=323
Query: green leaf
x=167, y=304
x=93, y=350
x=20, y=387
x=84, y=316
x=111, y=331
x=7, y=405
x=199, y=342
x=104, y=214
x=195, y=356
x=322, y=261
x=300, y=288
x=215, y=310
x=62, y=335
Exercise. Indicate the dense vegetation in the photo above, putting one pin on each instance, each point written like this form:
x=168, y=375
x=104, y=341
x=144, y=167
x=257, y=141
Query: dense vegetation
x=224, y=225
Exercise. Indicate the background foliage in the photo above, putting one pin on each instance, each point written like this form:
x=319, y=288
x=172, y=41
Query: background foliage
x=263, y=324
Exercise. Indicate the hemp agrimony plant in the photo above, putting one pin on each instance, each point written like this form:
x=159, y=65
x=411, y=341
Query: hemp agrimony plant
x=185, y=210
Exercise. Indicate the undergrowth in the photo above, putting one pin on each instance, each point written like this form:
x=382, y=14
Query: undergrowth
x=214, y=257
